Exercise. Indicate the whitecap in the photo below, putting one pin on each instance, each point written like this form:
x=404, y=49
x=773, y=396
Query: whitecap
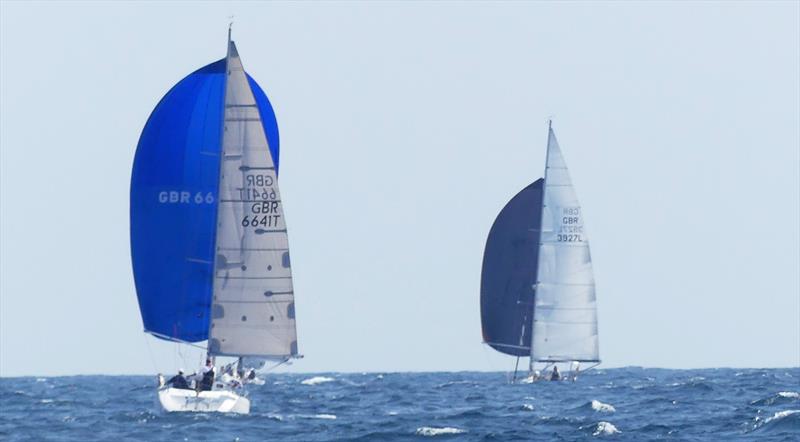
x=780, y=415
x=527, y=407
x=276, y=417
x=46, y=401
x=41, y=380
x=438, y=431
x=316, y=380
x=325, y=416
x=602, y=408
x=789, y=394
x=605, y=429
x=392, y=413
x=447, y=384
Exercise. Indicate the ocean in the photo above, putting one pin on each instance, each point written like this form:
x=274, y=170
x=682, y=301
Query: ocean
x=632, y=404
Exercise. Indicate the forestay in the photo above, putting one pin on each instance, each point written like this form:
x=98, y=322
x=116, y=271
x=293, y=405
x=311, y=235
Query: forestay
x=253, y=300
x=565, y=312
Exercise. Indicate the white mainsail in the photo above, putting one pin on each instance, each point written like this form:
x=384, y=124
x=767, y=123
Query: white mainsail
x=565, y=311
x=252, y=311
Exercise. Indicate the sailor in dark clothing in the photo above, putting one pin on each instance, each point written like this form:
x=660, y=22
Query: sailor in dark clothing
x=178, y=381
x=555, y=376
x=207, y=382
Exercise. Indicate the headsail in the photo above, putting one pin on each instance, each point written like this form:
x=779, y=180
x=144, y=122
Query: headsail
x=508, y=275
x=252, y=313
x=173, y=202
x=565, y=312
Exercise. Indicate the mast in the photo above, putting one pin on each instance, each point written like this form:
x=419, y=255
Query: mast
x=541, y=229
x=219, y=182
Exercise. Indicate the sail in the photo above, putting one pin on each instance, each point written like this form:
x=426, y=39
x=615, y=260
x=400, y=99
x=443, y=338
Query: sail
x=565, y=312
x=252, y=312
x=508, y=275
x=173, y=202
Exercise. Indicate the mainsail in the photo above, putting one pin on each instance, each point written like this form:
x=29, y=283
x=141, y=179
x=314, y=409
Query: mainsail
x=564, y=312
x=252, y=312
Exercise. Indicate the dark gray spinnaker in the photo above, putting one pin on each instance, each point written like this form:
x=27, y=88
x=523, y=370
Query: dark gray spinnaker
x=510, y=261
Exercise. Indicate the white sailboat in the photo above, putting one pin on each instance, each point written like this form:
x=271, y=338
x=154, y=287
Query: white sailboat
x=537, y=285
x=209, y=241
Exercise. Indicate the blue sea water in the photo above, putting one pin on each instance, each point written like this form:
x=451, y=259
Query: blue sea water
x=631, y=404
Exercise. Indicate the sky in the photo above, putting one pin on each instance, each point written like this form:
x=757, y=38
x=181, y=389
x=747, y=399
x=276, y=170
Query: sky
x=405, y=128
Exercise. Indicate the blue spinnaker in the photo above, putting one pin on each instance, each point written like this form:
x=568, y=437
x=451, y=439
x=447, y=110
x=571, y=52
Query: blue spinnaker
x=509, y=273
x=173, y=203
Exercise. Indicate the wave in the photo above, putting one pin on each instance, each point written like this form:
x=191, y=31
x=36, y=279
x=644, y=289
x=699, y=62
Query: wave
x=693, y=385
x=601, y=407
x=782, y=397
x=604, y=428
x=527, y=407
x=452, y=383
x=438, y=431
x=317, y=380
x=325, y=416
x=787, y=419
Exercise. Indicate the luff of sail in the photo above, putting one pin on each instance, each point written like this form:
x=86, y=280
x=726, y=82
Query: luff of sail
x=252, y=312
x=565, y=312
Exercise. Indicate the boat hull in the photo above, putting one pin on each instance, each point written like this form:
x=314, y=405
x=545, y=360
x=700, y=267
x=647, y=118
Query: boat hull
x=220, y=401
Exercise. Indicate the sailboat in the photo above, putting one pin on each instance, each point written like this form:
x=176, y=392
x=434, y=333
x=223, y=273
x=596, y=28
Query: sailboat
x=537, y=284
x=209, y=244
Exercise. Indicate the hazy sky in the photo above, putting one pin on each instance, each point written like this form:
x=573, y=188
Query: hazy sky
x=405, y=128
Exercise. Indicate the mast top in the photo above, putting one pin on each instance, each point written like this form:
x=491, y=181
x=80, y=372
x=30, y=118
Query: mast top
x=230, y=27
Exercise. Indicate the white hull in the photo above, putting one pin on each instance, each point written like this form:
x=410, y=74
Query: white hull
x=221, y=401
